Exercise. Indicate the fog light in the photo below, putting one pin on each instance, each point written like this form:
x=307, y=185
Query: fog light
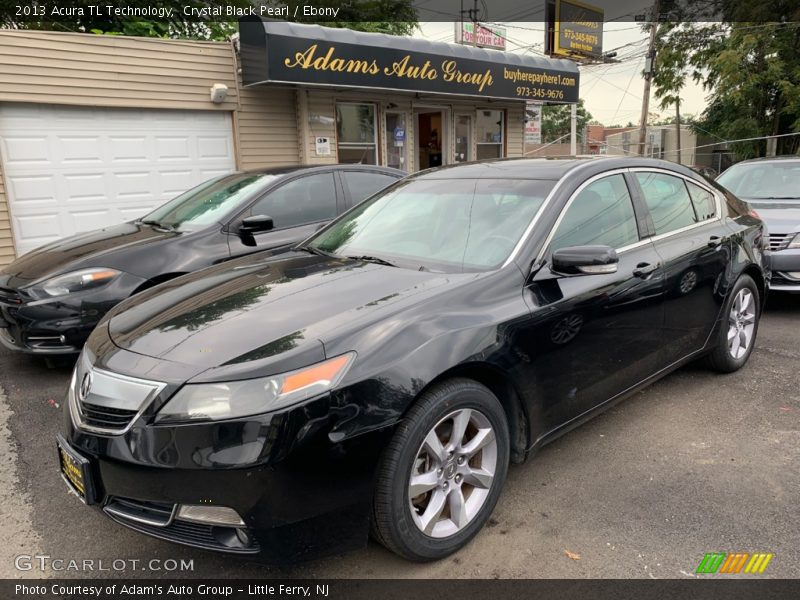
x=210, y=515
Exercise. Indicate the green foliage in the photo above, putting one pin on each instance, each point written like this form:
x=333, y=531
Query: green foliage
x=556, y=120
x=751, y=69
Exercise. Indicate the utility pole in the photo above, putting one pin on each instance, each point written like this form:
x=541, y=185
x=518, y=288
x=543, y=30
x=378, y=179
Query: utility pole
x=472, y=15
x=648, y=76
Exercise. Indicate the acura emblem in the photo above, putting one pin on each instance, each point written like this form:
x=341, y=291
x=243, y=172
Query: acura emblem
x=86, y=384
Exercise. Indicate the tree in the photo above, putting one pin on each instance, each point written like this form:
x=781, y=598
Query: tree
x=556, y=120
x=176, y=20
x=750, y=67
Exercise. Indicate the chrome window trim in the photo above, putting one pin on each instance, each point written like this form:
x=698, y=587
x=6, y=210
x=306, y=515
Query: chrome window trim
x=580, y=188
x=645, y=240
x=74, y=403
x=701, y=185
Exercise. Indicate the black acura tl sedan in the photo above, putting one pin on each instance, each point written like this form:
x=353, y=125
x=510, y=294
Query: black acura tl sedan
x=52, y=297
x=383, y=373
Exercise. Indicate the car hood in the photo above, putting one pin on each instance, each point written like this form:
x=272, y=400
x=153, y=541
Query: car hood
x=109, y=247
x=781, y=216
x=257, y=308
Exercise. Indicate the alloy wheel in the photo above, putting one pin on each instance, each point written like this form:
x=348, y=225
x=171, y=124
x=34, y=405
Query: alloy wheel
x=741, y=323
x=453, y=473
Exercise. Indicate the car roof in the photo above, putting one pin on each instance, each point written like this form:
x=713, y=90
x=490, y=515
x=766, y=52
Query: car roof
x=769, y=159
x=546, y=168
x=292, y=169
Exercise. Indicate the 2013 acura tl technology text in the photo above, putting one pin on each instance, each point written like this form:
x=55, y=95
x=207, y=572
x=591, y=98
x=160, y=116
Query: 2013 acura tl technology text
x=385, y=372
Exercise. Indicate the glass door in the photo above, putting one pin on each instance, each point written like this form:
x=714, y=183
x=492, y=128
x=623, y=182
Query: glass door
x=463, y=147
x=396, y=140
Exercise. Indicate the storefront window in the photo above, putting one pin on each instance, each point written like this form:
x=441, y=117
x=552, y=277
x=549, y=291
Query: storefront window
x=463, y=138
x=396, y=136
x=489, y=125
x=355, y=131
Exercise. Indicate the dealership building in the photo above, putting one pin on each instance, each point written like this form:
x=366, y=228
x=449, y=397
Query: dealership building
x=96, y=130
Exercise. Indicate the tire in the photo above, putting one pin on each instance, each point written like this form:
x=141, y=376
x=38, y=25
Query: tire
x=456, y=482
x=726, y=358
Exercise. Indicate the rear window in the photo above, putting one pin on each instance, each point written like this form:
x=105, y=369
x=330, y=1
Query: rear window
x=362, y=184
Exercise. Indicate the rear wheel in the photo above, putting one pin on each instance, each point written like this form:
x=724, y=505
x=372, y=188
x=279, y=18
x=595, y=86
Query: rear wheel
x=442, y=474
x=737, y=334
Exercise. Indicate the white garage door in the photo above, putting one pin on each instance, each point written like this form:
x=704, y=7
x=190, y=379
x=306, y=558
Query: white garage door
x=74, y=169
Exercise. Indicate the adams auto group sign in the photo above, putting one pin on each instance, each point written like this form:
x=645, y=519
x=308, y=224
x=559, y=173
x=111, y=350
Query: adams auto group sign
x=316, y=61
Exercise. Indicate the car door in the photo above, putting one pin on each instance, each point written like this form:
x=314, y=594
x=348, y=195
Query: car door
x=591, y=337
x=694, y=246
x=297, y=207
x=360, y=185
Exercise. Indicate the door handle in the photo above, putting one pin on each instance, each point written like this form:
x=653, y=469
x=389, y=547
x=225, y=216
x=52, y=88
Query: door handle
x=643, y=270
x=714, y=241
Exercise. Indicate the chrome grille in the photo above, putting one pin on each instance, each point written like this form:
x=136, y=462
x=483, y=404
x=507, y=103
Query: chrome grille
x=779, y=241
x=108, y=418
x=105, y=402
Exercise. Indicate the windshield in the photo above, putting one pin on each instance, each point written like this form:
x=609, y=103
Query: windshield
x=208, y=202
x=763, y=181
x=451, y=225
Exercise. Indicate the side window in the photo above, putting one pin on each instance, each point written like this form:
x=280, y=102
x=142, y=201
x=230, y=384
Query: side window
x=602, y=213
x=668, y=201
x=704, y=204
x=305, y=200
x=363, y=184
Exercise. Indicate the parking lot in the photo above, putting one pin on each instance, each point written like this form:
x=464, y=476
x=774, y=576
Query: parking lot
x=697, y=463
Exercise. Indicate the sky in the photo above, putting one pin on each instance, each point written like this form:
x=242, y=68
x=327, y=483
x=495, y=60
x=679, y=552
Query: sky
x=612, y=92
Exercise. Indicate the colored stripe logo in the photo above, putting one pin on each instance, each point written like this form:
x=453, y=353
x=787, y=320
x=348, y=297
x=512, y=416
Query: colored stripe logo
x=734, y=562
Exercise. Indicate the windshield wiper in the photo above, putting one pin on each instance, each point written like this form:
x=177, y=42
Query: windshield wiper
x=155, y=223
x=373, y=259
x=317, y=251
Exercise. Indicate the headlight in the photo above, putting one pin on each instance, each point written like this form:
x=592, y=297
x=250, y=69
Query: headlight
x=233, y=399
x=795, y=243
x=69, y=283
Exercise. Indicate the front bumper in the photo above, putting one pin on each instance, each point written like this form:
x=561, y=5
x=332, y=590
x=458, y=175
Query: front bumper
x=59, y=325
x=785, y=266
x=300, y=494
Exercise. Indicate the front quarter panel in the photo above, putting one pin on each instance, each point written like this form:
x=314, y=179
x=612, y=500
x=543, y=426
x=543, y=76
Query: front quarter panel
x=400, y=356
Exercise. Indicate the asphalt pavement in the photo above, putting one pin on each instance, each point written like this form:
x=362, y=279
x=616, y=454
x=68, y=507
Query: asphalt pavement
x=697, y=463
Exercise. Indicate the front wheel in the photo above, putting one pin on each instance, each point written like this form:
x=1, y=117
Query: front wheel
x=442, y=473
x=737, y=334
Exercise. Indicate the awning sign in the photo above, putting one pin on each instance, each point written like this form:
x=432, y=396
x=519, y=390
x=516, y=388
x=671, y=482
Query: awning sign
x=305, y=60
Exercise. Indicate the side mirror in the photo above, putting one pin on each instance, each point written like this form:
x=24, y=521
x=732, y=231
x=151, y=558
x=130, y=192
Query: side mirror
x=255, y=224
x=589, y=260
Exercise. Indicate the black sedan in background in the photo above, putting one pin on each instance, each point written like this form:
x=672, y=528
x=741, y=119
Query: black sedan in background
x=383, y=373
x=771, y=186
x=52, y=297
